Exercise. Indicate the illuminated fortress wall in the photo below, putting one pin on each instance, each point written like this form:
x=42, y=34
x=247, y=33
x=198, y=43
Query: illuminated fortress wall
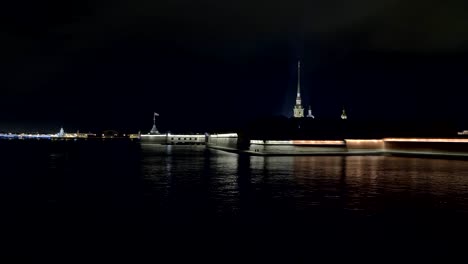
x=181, y=139
x=174, y=139
x=291, y=147
x=365, y=144
x=224, y=141
x=442, y=146
x=412, y=146
x=154, y=139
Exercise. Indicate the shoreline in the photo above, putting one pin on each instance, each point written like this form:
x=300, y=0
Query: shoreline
x=349, y=153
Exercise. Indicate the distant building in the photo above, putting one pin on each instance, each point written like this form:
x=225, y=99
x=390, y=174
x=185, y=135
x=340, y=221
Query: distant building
x=309, y=113
x=154, y=130
x=61, y=133
x=343, y=114
x=298, y=109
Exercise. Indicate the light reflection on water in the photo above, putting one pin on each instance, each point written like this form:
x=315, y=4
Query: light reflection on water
x=191, y=177
x=226, y=183
x=176, y=196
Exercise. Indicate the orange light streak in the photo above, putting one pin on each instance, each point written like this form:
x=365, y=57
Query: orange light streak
x=442, y=140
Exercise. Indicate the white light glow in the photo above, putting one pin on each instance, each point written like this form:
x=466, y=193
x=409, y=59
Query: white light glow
x=224, y=135
x=162, y=135
x=187, y=136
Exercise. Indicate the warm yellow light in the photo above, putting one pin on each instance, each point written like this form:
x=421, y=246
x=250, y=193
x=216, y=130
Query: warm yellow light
x=319, y=142
x=446, y=140
x=364, y=140
x=298, y=142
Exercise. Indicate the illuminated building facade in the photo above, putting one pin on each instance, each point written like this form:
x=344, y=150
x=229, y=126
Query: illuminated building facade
x=343, y=114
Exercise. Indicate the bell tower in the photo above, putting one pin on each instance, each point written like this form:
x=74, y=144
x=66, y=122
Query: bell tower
x=343, y=114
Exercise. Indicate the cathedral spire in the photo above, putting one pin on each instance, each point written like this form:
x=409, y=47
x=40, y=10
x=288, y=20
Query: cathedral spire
x=298, y=109
x=299, y=79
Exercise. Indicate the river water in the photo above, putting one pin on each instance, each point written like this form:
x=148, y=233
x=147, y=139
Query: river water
x=130, y=201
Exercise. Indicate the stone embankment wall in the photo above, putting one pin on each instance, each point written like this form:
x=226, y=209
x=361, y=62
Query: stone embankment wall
x=228, y=141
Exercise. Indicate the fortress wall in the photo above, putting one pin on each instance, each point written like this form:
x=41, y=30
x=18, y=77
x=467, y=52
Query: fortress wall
x=228, y=140
x=182, y=139
x=411, y=146
x=416, y=146
x=427, y=147
x=174, y=139
x=153, y=139
x=290, y=147
x=294, y=149
x=365, y=144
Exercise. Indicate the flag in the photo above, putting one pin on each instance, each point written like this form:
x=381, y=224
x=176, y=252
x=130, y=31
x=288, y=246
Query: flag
x=156, y=114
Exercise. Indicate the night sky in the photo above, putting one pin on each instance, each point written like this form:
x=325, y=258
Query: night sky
x=213, y=65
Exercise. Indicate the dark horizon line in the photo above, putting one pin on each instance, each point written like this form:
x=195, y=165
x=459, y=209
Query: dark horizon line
x=226, y=128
